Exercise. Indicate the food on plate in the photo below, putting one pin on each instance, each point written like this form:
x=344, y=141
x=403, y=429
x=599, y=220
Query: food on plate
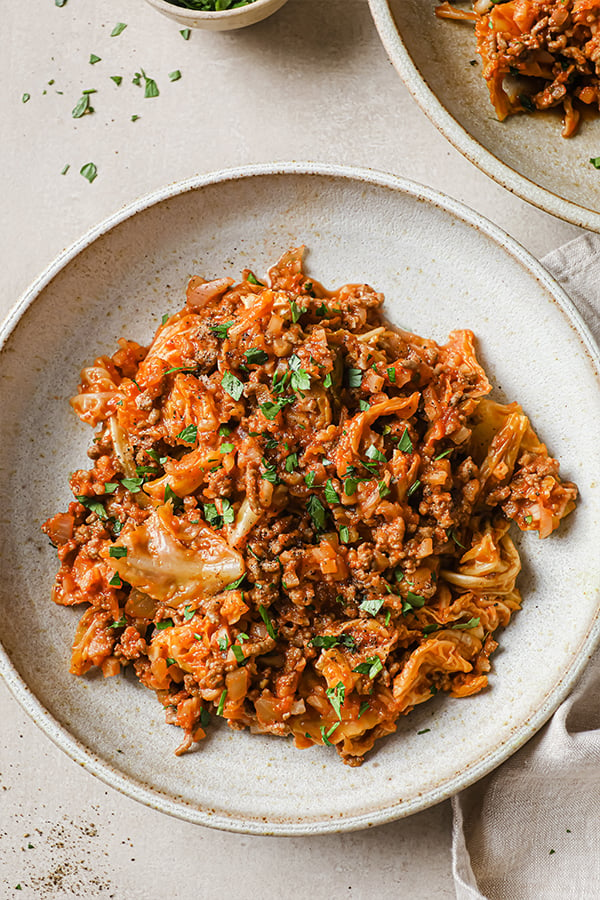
x=297, y=516
x=211, y=5
x=537, y=54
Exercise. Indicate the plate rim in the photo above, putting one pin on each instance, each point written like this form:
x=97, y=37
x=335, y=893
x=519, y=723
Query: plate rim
x=461, y=139
x=157, y=799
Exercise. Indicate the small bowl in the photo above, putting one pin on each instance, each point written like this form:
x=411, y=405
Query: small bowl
x=225, y=20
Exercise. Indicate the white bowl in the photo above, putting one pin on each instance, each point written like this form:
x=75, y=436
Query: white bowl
x=441, y=266
x=226, y=20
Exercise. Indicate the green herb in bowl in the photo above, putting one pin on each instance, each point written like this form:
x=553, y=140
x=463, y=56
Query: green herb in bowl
x=217, y=15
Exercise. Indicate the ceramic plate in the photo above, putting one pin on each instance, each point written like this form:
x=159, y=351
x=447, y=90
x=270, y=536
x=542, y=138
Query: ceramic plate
x=441, y=266
x=526, y=153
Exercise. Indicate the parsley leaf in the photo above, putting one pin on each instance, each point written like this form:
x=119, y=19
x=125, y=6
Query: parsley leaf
x=234, y=585
x=309, y=479
x=175, y=76
x=291, y=462
x=327, y=734
x=94, y=59
x=89, y=171
x=221, y=705
x=164, y=623
x=171, y=496
x=239, y=654
x=327, y=641
x=188, y=613
x=255, y=356
x=364, y=706
x=372, y=606
x=391, y=372
x=133, y=484
x=232, y=385
x=414, y=486
x=316, y=511
x=375, y=454
x=118, y=29
x=429, y=629
x=371, y=667
x=267, y=620
x=223, y=642
x=337, y=695
x=221, y=331
x=331, y=495
x=188, y=434
x=93, y=505
x=185, y=33
x=296, y=311
x=405, y=445
x=344, y=534
x=119, y=623
x=472, y=623
x=117, y=552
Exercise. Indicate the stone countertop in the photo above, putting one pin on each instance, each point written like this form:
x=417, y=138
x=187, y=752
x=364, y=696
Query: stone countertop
x=311, y=83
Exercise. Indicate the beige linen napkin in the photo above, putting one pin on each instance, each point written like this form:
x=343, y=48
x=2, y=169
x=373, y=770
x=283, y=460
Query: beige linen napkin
x=531, y=829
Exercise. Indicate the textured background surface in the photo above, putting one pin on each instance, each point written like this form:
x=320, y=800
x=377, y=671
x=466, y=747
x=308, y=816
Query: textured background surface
x=312, y=82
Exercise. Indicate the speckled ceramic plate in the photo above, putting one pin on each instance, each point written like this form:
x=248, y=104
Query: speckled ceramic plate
x=526, y=153
x=441, y=266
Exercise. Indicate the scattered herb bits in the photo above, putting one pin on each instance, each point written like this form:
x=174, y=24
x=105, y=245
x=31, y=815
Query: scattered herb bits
x=89, y=171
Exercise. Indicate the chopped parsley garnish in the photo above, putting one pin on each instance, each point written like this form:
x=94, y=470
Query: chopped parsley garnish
x=221, y=331
x=204, y=717
x=309, y=479
x=185, y=33
x=253, y=279
x=221, y=705
x=65, y=169
x=372, y=606
x=89, y=171
x=82, y=107
x=119, y=623
x=217, y=519
x=414, y=486
x=344, y=534
x=291, y=462
x=444, y=454
x=255, y=356
x=296, y=311
x=117, y=79
x=94, y=59
x=25, y=98
x=327, y=381
x=239, y=654
x=354, y=377
x=188, y=613
x=226, y=448
x=234, y=585
x=384, y=489
x=267, y=620
x=165, y=623
x=364, y=405
x=375, y=454
x=472, y=623
x=405, y=445
x=150, y=86
x=232, y=385
x=456, y=540
x=415, y=600
x=224, y=430
x=171, y=661
x=327, y=641
x=270, y=473
x=117, y=552
x=528, y=519
x=331, y=495
x=188, y=434
x=429, y=629
x=271, y=408
x=364, y=706
x=337, y=695
x=595, y=161
x=175, y=76
x=118, y=29
x=423, y=730
x=93, y=505
x=316, y=511
x=171, y=496
x=223, y=642
x=392, y=374
x=133, y=484
x=371, y=667
x=327, y=734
